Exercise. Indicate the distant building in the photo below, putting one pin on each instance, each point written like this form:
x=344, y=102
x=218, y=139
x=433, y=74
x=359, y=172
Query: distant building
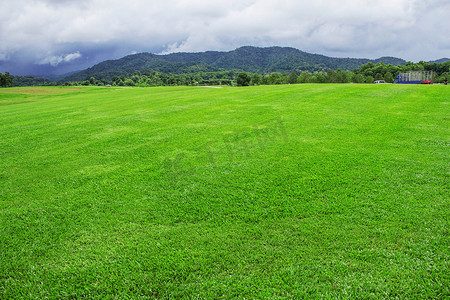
x=415, y=77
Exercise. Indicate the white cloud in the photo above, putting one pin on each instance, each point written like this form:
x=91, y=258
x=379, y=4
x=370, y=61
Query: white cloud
x=56, y=60
x=72, y=56
x=412, y=29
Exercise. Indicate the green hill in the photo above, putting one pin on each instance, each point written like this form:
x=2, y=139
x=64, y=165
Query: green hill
x=440, y=61
x=249, y=59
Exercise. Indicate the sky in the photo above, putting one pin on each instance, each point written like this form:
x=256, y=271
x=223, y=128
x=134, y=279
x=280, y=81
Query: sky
x=60, y=36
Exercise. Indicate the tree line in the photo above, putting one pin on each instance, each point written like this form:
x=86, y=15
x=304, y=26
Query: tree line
x=367, y=73
x=6, y=80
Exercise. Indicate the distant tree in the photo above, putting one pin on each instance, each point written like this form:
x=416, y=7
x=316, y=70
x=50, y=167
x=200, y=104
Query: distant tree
x=171, y=80
x=243, y=79
x=284, y=78
x=129, y=82
x=392, y=69
x=305, y=77
x=6, y=80
x=388, y=77
x=331, y=76
x=135, y=78
x=357, y=78
x=29, y=81
x=320, y=77
x=443, y=77
x=292, y=78
x=9, y=79
x=275, y=78
x=378, y=76
x=256, y=79
x=379, y=69
x=342, y=76
x=368, y=72
x=369, y=79
x=366, y=66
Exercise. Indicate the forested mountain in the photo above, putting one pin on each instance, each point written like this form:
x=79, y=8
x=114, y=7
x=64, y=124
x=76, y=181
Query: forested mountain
x=440, y=61
x=249, y=59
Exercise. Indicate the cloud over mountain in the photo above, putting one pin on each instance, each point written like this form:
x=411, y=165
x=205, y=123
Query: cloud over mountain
x=56, y=60
x=47, y=31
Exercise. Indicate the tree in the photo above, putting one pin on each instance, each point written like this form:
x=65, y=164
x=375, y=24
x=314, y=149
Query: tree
x=320, y=77
x=129, y=82
x=378, y=76
x=388, y=77
x=331, y=76
x=9, y=79
x=243, y=79
x=256, y=79
x=275, y=78
x=304, y=77
x=292, y=78
x=6, y=79
x=342, y=76
x=357, y=78
x=369, y=79
x=171, y=80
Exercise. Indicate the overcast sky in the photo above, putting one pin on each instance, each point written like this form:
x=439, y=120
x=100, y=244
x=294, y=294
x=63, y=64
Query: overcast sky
x=67, y=35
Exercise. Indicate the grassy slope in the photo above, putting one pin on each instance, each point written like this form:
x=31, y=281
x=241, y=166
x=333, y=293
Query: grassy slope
x=271, y=191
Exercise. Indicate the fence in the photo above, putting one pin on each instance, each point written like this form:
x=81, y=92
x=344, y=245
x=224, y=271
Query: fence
x=415, y=77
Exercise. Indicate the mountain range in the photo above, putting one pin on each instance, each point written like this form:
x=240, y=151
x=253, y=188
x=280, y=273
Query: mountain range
x=440, y=61
x=249, y=59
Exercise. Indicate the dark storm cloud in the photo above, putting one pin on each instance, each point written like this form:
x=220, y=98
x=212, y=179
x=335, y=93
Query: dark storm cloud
x=64, y=34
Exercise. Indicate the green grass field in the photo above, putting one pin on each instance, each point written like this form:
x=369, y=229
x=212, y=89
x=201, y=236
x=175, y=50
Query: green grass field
x=314, y=191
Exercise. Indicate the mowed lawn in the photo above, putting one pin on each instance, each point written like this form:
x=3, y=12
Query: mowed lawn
x=255, y=192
